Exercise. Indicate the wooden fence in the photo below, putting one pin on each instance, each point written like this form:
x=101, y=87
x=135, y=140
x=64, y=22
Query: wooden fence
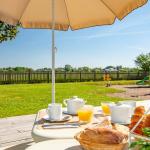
x=43, y=77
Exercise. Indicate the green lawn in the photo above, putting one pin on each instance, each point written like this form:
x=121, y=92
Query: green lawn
x=24, y=99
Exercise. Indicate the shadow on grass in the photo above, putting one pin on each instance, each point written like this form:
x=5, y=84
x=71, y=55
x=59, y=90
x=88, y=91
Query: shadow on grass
x=136, y=87
x=146, y=94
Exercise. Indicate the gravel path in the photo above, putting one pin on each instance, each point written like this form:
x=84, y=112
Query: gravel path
x=132, y=92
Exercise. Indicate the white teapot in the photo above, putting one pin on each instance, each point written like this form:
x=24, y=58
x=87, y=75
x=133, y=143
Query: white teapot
x=74, y=104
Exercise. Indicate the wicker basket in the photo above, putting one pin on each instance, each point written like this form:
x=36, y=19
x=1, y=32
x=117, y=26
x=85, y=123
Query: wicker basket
x=87, y=145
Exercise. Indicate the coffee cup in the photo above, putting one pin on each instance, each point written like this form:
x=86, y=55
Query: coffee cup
x=131, y=103
x=54, y=111
x=121, y=113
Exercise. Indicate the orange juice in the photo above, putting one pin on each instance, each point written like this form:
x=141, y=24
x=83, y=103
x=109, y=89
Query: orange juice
x=106, y=107
x=85, y=114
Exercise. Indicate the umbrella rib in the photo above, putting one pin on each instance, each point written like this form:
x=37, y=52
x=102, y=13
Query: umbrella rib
x=67, y=14
x=91, y=25
x=24, y=11
x=134, y=9
x=144, y=2
x=109, y=8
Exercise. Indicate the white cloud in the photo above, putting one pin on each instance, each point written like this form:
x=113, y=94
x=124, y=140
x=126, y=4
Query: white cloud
x=110, y=34
x=141, y=48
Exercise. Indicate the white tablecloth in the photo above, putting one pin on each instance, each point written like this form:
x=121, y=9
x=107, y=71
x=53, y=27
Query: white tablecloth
x=47, y=134
x=40, y=134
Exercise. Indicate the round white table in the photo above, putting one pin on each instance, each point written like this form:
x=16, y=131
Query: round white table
x=67, y=144
x=39, y=134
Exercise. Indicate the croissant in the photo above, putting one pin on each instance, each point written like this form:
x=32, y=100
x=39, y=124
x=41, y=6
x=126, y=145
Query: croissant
x=135, y=118
x=138, y=113
x=140, y=110
x=147, y=121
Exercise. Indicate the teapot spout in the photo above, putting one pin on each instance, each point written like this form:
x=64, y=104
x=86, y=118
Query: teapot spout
x=65, y=102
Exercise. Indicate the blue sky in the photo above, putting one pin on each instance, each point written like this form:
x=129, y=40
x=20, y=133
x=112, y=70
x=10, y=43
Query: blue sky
x=118, y=44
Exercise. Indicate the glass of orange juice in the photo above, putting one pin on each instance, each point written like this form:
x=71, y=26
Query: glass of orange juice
x=85, y=113
x=106, y=107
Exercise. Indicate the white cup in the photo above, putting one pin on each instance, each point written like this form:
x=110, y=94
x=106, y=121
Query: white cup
x=121, y=113
x=54, y=111
x=131, y=103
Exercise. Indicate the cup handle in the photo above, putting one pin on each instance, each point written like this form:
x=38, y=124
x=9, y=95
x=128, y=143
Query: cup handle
x=131, y=111
x=65, y=102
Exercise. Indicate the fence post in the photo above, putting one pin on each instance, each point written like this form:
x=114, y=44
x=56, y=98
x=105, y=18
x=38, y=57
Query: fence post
x=48, y=76
x=80, y=76
x=128, y=75
x=118, y=75
x=102, y=76
x=94, y=75
x=29, y=76
x=65, y=76
x=9, y=77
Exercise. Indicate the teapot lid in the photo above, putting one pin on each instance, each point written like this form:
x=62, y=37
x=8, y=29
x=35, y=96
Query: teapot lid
x=75, y=98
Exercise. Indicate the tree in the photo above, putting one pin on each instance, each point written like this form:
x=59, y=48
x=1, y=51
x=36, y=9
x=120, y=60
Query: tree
x=118, y=68
x=43, y=69
x=16, y=69
x=143, y=61
x=84, y=69
x=59, y=69
x=68, y=68
x=96, y=69
x=129, y=69
x=7, y=32
x=110, y=68
x=22, y=69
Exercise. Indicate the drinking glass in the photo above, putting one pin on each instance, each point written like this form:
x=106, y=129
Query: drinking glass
x=106, y=107
x=85, y=113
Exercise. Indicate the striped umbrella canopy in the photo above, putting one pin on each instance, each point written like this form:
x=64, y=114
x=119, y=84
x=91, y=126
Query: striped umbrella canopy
x=65, y=14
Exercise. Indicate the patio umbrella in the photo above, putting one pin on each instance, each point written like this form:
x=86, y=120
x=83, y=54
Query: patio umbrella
x=64, y=14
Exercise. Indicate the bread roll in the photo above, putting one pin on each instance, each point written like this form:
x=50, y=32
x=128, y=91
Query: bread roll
x=103, y=135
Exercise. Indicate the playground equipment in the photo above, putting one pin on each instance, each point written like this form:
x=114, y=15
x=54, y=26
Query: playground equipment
x=106, y=77
x=145, y=81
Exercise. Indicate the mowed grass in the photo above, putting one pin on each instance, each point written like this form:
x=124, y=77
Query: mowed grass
x=22, y=99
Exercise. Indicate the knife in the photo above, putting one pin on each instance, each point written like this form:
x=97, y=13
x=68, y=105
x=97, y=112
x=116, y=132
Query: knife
x=59, y=126
x=65, y=123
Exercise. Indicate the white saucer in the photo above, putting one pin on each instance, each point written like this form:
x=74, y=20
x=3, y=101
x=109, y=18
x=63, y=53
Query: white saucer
x=64, y=118
x=66, y=112
x=121, y=123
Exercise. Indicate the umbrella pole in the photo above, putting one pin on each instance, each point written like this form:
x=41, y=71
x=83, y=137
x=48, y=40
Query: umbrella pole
x=53, y=51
